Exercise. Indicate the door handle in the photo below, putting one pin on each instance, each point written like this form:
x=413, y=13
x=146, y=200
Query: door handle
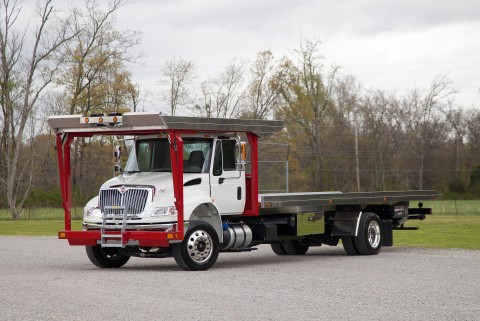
x=220, y=180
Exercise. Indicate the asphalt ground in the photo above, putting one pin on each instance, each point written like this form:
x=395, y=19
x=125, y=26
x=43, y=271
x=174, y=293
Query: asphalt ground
x=42, y=278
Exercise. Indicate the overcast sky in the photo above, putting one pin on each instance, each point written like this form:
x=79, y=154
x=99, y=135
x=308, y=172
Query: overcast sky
x=394, y=45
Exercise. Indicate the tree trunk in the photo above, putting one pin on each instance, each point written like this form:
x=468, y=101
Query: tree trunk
x=420, y=178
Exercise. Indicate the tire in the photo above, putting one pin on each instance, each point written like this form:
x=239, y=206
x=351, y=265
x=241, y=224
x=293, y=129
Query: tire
x=349, y=245
x=106, y=257
x=369, y=239
x=295, y=247
x=278, y=249
x=199, y=249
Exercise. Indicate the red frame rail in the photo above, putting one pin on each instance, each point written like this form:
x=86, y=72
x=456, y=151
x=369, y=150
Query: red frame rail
x=145, y=238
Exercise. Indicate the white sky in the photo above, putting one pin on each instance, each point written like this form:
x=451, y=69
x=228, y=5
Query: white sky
x=394, y=45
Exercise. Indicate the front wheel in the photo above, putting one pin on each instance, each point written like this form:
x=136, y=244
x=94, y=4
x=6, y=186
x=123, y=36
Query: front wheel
x=369, y=239
x=199, y=249
x=106, y=257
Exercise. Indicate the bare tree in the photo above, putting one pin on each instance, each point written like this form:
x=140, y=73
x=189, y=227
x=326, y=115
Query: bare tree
x=456, y=118
x=263, y=94
x=223, y=96
x=97, y=48
x=424, y=121
x=347, y=96
x=177, y=77
x=24, y=74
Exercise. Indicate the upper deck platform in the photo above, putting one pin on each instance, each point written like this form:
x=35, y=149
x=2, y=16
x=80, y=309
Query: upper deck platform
x=140, y=122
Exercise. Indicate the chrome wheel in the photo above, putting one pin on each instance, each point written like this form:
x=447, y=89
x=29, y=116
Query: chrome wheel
x=199, y=246
x=199, y=249
x=369, y=238
x=374, y=234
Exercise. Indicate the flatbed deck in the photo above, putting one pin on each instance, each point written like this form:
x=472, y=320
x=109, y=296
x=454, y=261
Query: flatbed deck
x=311, y=201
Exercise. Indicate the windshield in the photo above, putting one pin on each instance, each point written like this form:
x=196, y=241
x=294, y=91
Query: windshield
x=153, y=155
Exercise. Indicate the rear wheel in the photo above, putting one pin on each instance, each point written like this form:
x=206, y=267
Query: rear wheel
x=199, y=249
x=106, y=257
x=278, y=249
x=349, y=245
x=369, y=239
x=295, y=247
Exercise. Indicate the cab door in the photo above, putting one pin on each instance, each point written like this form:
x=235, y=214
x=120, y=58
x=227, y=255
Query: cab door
x=227, y=178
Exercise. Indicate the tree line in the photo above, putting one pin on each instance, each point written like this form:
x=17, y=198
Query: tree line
x=338, y=135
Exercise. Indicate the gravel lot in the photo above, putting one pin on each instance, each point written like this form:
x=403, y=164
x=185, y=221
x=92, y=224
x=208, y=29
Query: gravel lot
x=43, y=278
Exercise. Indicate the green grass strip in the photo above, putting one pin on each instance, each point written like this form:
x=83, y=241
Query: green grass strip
x=50, y=227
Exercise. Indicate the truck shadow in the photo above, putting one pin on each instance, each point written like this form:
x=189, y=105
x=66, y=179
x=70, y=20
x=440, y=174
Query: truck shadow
x=260, y=258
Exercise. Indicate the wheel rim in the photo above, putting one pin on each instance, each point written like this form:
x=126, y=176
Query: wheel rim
x=199, y=246
x=374, y=234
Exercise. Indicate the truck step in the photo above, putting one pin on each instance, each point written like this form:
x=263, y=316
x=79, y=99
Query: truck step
x=112, y=236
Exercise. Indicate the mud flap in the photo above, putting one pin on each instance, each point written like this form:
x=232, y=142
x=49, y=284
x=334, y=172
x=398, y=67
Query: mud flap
x=387, y=233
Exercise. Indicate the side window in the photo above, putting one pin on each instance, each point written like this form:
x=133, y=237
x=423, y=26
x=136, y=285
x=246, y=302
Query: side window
x=228, y=148
x=217, y=161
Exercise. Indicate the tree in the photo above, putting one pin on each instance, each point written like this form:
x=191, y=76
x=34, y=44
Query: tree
x=24, y=74
x=347, y=101
x=224, y=96
x=426, y=128
x=307, y=94
x=263, y=94
x=177, y=77
x=472, y=122
x=96, y=56
x=456, y=119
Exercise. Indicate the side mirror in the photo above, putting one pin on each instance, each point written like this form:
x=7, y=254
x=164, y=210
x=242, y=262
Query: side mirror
x=117, y=153
x=241, y=156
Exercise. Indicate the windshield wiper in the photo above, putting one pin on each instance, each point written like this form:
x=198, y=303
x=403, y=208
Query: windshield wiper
x=131, y=172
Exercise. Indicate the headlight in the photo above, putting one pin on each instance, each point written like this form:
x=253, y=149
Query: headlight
x=91, y=211
x=159, y=211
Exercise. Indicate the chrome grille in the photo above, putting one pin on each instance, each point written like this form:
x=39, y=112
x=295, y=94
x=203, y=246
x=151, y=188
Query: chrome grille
x=133, y=200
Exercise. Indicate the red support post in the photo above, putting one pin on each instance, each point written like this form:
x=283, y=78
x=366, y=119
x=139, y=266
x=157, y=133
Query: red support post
x=176, y=159
x=252, y=208
x=63, y=153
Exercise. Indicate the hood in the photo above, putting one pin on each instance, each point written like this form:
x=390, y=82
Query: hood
x=161, y=181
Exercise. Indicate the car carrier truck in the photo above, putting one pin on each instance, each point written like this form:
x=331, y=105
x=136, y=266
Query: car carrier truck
x=186, y=192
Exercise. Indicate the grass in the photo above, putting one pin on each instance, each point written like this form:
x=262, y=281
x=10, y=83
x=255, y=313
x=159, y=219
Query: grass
x=442, y=231
x=37, y=227
x=453, y=225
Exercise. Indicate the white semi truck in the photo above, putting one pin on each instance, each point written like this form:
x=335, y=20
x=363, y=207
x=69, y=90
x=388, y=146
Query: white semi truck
x=185, y=192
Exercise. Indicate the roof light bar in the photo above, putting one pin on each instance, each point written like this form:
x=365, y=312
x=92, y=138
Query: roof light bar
x=107, y=120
